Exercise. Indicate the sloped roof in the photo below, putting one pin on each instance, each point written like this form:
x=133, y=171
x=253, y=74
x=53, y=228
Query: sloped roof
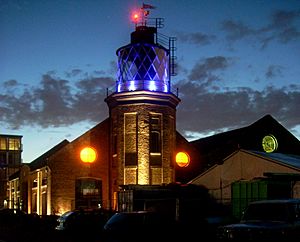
x=214, y=149
x=286, y=159
x=42, y=160
x=250, y=137
x=292, y=161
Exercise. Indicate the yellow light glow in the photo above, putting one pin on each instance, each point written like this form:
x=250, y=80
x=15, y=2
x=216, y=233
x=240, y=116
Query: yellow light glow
x=88, y=155
x=182, y=159
x=269, y=143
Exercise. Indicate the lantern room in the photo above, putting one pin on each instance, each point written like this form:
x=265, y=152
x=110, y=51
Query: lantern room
x=147, y=62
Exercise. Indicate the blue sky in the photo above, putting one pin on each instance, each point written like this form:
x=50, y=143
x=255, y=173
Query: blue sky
x=236, y=62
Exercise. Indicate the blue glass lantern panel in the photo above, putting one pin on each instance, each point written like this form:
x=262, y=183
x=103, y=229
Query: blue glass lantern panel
x=143, y=67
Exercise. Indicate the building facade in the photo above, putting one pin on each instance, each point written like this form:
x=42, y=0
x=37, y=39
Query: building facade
x=135, y=145
x=10, y=161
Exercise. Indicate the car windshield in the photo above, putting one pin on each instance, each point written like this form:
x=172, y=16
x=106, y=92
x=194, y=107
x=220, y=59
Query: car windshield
x=268, y=212
x=65, y=215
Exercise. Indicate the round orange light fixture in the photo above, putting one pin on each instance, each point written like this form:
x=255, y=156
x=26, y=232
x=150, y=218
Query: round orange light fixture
x=88, y=155
x=182, y=159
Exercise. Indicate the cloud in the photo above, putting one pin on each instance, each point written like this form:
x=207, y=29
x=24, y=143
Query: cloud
x=73, y=72
x=273, y=71
x=282, y=19
x=203, y=111
x=55, y=102
x=206, y=106
x=203, y=69
x=236, y=30
x=282, y=27
x=10, y=83
x=195, y=38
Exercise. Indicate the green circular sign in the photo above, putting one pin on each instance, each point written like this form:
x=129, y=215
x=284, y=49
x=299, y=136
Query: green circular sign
x=269, y=143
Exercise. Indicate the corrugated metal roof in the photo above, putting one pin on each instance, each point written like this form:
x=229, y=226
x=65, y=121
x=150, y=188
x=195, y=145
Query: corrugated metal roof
x=287, y=159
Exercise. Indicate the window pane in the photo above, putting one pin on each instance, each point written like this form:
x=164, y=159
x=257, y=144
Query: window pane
x=155, y=142
x=3, y=144
x=130, y=139
x=14, y=144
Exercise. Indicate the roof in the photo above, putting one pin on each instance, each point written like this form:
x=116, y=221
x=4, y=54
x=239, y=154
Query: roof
x=286, y=159
x=292, y=161
x=42, y=160
x=214, y=149
x=10, y=136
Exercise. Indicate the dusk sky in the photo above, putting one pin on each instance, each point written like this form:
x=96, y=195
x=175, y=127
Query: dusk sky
x=236, y=62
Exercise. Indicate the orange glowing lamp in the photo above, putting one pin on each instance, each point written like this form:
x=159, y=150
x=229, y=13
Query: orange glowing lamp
x=182, y=159
x=88, y=155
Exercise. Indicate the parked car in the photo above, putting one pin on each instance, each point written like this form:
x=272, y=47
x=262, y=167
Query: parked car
x=139, y=226
x=267, y=220
x=82, y=223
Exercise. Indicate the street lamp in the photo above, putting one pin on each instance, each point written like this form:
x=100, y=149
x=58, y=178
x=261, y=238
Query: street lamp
x=182, y=159
x=88, y=155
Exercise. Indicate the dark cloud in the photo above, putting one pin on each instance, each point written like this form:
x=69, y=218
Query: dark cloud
x=236, y=30
x=273, y=71
x=10, y=83
x=204, y=68
x=282, y=27
x=195, y=38
x=288, y=35
x=204, y=112
x=205, y=106
x=73, y=73
x=55, y=102
x=281, y=19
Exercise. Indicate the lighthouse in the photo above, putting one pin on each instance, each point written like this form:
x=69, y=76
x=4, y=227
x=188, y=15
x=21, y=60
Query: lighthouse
x=142, y=108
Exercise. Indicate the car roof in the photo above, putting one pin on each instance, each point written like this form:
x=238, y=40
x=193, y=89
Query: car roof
x=135, y=212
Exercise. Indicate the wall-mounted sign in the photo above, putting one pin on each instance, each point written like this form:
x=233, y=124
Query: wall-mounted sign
x=269, y=143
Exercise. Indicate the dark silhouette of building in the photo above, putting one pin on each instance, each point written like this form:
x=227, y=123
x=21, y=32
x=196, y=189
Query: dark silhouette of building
x=212, y=150
x=10, y=161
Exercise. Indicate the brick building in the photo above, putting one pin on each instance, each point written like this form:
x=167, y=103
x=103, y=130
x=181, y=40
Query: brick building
x=135, y=146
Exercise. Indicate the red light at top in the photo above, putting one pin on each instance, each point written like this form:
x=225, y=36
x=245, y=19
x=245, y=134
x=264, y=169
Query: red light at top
x=139, y=16
x=135, y=17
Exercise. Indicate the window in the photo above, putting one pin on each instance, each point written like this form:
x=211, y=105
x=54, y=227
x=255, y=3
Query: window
x=14, y=144
x=130, y=159
x=130, y=139
x=88, y=193
x=14, y=158
x=155, y=140
x=155, y=134
x=3, y=159
x=3, y=144
x=115, y=144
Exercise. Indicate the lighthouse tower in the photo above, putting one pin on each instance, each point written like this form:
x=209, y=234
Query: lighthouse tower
x=142, y=109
